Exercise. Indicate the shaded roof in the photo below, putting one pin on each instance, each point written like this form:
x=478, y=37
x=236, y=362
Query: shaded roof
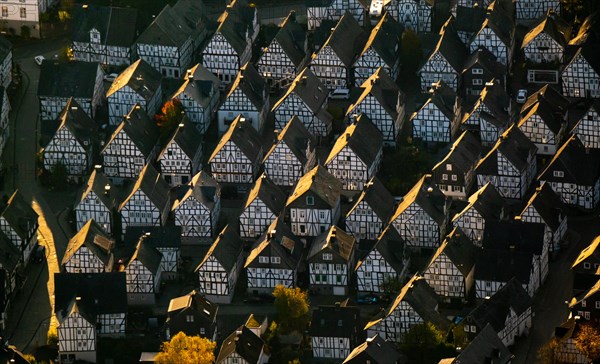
x=97, y=183
x=93, y=237
x=19, y=214
x=117, y=26
x=154, y=236
x=251, y=83
x=385, y=39
x=469, y=19
x=549, y=115
x=443, y=97
x=586, y=295
x=383, y=89
x=141, y=251
x=140, y=129
x=140, y=77
x=428, y=196
x=556, y=28
x=153, y=186
x=269, y=193
x=167, y=29
x=514, y=146
x=554, y=99
x=362, y=137
x=244, y=136
x=198, y=85
x=347, y=40
x=309, y=89
x=378, y=198
x=335, y=239
x=185, y=135
x=245, y=343
x=587, y=252
x=203, y=187
x=459, y=249
x=464, y=153
x=281, y=241
x=235, y=22
x=338, y=321
x=320, y=182
x=451, y=47
x=298, y=139
x=568, y=159
x=548, y=204
x=496, y=100
x=487, y=201
x=226, y=249
x=67, y=79
x=291, y=37
x=77, y=121
x=485, y=346
x=193, y=301
x=374, y=350
x=514, y=234
x=500, y=22
x=486, y=59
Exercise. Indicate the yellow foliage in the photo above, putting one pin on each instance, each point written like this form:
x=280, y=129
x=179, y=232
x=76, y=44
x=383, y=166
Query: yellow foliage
x=183, y=349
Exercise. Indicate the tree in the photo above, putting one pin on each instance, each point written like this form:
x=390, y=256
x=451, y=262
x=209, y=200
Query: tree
x=424, y=343
x=170, y=114
x=411, y=51
x=58, y=178
x=183, y=349
x=292, y=308
x=548, y=354
x=588, y=341
x=25, y=31
x=391, y=286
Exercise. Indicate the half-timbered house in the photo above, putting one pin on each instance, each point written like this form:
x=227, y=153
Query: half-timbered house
x=585, y=268
x=87, y=307
x=237, y=157
x=192, y=314
x=181, y=152
x=197, y=206
x=230, y=46
x=147, y=202
x=484, y=205
x=531, y=10
x=353, y=161
x=274, y=260
x=243, y=346
x=510, y=165
x=432, y=122
x=446, y=61
x=576, y=183
x=421, y=216
x=335, y=331
x=374, y=350
x=331, y=262
x=141, y=263
x=249, y=97
x=19, y=221
x=104, y=34
x=372, y=211
x=383, y=102
x=485, y=346
x=6, y=57
x=138, y=84
x=415, y=14
x=220, y=268
x=61, y=81
x=283, y=58
x=381, y=50
x=585, y=306
x=10, y=277
x=455, y=173
x=385, y=263
x=543, y=125
x=415, y=304
x=546, y=207
x=451, y=270
x=332, y=10
x=508, y=311
x=4, y=120
x=480, y=68
x=166, y=240
x=581, y=75
x=587, y=126
x=314, y=204
x=495, y=34
x=333, y=63
x=89, y=251
x=292, y=155
x=199, y=95
x=132, y=145
x=265, y=201
x=73, y=144
x=96, y=201
x=546, y=41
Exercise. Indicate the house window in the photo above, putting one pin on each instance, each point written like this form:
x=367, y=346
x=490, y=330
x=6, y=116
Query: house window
x=586, y=265
x=327, y=256
x=263, y=259
x=189, y=318
x=23, y=13
x=4, y=11
x=477, y=71
x=449, y=167
x=558, y=174
x=310, y=200
x=275, y=260
x=583, y=304
x=597, y=305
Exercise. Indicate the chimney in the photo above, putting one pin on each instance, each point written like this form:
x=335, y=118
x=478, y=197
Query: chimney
x=190, y=75
x=107, y=189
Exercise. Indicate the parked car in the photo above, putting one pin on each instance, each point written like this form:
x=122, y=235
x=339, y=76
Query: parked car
x=110, y=77
x=40, y=254
x=38, y=60
x=367, y=299
x=340, y=94
x=521, y=96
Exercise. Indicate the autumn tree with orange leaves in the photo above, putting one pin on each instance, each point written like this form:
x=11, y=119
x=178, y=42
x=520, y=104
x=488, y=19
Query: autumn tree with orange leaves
x=170, y=114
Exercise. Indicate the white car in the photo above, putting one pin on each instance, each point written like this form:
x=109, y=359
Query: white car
x=521, y=96
x=38, y=60
x=340, y=94
x=110, y=77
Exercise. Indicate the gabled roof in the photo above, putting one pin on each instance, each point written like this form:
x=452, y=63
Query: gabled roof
x=19, y=214
x=428, y=196
x=309, y=89
x=495, y=98
x=378, y=198
x=320, y=182
x=487, y=60
x=203, y=187
x=185, y=135
x=251, y=83
x=281, y=241
x=502, y=265
x=269, y=193
x=141, y=251
x=153, y=186
x=391, y=247
x=556, y=28
x=199, y=84
x=98, y=183
x=67, y=79
x=168, y=29
x=383, y=89
x=515, y=235
x=374, y=350
x=496, y=309
x=93, y=237
x=193, y=301
x=514, y=146
x=336, y=321
x=487, y=201
x=355, y=137
x=117, y=26
x=347, y=40
x=140, y=77
x=499, y=21
x=244, y=136
x=469, y=19
x=451, y=47
x=548, y=115
x=385, y=39
x=568, y=159
x=335, y=239
x=548, y=204
x=291, y=38
x=587, y=252
x=245, y=343
x=77, y=121
x=226, y=249
x=298, y=139
x=464, y=153
x=586, y=295
x=168, y=236
x=461, y=252
x=485, y=346
x=551, y=95
x=443, y=97
x=140, y=129
x=235, y=22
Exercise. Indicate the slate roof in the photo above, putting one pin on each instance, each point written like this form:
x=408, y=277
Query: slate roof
x=198, y=84
x=185, y=135
x=378, y=198
x=320, y=182
x=19, y=214
x=487, y=60
x=347, y=40
x=140, y=77
x=469, y=19
x=514, y=146
x=310, y=89
x=495, y=310
x=428, y=196
x=556, y=28
x=335, y=239
x=548, y=204
x=140, y=129
x=568, y=159
x=464, y=153
x=586, y=295
x=153, y=186
x=77, y=121
x=384, y=90
x=487, y=201
x=269, y=193
x=459, y=249
x=234, y=22
x=495, y=98
x=298, y=139
x=485, y=346
x=443, y=97
x=514, y=234
x=548, y=115
x=500, y=22
x=385, y=39
x=226, y=249
x=355, y=137
x=391, y=246
x=252, y=85
x=100, y=293
x=141, y=251
x=281, y=241
x=97, y=183
x=167, y=29
x=245, y=343
x=203, y=187
x=117, y=26
x=548, y=93
x=451, y=47
x=154, y=236
x=67, y=79
x=244, y=136
x=374, y=350
x=291, y=38
x=339, y=321
x=193, y=301
x=93, y=237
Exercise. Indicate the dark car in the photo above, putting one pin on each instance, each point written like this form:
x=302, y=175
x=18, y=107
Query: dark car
x=367, y=299
x=40, y=254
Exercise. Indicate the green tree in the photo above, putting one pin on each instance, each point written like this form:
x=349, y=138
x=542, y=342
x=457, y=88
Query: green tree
x=292, y=307
x=424, y=343
x=391, y=286
x=25, y=31
x=170, y=114
x=183, y=349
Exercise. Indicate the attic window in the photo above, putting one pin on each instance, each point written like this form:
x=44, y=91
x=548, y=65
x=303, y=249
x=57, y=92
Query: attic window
x=327, y=256
x=340, y=323
x=310, y=200
x=558, y=174
x=189, y=318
